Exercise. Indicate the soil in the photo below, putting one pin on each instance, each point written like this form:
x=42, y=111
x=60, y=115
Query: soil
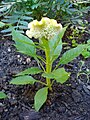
x=70, y=101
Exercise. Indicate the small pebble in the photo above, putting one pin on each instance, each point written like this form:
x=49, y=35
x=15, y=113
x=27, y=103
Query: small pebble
x=1, y=104
x=9, y=95
x=9, y=50
x=28, y=60
x=20, y=60
x=18, y=56
x=6, y=110
x=87, y=70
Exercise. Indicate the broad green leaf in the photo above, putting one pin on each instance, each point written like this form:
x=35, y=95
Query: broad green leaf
x=2, y=24
x=56, y=45
x=71, y=54
x=20, y=31
x=62, y=32
x=28, y=13
x=86, y=53
x=2, y=95
x=14, y=17
x=44, y=43
x=24, y=44
x=2, y=9
x=88, y=41
x=48, y=75
x=40, y=98
x=23, y=80
x=11, y=21
x=23, y=27
x=88, y=48
x=60, y=75
x=55, y=49
x=24, y=23
x=7, y=30
x=35, y=6
x=32, y=70
x=26, y=18
x=7, y=34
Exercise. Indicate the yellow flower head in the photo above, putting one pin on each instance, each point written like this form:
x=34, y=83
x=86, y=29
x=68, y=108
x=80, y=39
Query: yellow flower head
x=46, y=28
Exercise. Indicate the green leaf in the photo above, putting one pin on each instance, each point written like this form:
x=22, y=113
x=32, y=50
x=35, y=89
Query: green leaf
x=86, y=53
x=62, y=32
x=71, y=54
x=23, y=27
x=7, y=30
x=32, y=70
x=24, y=44
x=2, y=95
x=14, y=17
x=60, y=75
x=11, y=21
x=88, y=41
x=23, y=80
x=44, y=43
x=26, y=18
x=48, y=75
x=56, y=45
x=28, y=13
x=40, y=98
x=24, y=23
x=2, y=24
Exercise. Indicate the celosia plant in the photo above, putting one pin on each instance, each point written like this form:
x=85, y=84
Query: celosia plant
x=50, y=34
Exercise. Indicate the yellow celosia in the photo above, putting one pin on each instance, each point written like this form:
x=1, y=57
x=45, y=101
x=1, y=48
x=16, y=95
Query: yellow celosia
x=46, y=28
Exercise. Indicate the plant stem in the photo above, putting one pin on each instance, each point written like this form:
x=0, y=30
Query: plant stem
x=48, y=68
x=39, y=63
x=42, y=83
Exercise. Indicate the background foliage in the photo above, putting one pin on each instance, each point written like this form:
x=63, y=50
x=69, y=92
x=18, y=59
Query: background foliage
x=19, y=12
